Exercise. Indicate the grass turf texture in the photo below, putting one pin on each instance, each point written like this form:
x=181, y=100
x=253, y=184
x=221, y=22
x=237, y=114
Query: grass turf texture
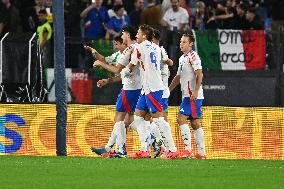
x=79, y=172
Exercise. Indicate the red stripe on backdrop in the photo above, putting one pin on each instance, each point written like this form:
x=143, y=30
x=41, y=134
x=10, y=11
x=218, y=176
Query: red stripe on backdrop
x=125, y=102
x=155, y=102
x=254, y=49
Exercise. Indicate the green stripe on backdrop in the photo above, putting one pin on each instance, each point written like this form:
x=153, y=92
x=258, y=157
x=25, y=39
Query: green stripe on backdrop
x=208, y=49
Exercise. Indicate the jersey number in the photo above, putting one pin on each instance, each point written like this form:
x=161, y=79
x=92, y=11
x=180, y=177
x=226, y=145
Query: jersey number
x=153, y=58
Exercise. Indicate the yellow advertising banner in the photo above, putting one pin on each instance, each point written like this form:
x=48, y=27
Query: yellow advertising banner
x=230, y=132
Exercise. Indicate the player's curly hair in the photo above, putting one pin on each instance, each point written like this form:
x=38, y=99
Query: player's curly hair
x=147, y=30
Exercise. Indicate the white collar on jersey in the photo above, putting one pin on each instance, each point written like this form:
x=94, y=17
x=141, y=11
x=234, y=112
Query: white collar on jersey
x=185, y=55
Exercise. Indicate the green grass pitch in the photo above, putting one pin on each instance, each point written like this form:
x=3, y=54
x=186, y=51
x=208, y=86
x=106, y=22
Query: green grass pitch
x=79, y=172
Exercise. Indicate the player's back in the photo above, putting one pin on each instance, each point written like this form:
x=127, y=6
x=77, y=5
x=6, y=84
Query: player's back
x=150, y=60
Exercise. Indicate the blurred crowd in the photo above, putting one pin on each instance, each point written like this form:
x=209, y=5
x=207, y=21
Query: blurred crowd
x=105, y=18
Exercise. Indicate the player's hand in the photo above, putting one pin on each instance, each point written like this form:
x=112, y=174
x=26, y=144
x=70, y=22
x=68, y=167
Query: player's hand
x=102, y=83
x=194, y=96
x=97, y=63
x=90, y=49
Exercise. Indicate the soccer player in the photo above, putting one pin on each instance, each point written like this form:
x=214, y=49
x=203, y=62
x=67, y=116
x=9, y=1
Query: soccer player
x=164, y=67
x=165, y=63
x=112, y=59
x=148, y=57
x=189, y=75
x=129, y=94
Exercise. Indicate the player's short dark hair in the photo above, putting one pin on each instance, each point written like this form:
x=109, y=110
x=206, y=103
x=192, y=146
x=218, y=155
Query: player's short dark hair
x=190, y=36
x=156, y=34
x=148, y=31
x=132, y=32
x=118, y=38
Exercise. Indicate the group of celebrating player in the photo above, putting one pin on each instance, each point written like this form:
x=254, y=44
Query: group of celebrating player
x=142, y=66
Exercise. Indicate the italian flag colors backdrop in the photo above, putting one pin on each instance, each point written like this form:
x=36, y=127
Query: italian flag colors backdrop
x=231, y=49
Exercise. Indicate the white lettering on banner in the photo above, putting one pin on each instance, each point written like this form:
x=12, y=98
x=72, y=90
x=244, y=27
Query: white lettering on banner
x=214, y=87
x=80, y=76
x=232, y=55
x=233, y=37
x=236, y=58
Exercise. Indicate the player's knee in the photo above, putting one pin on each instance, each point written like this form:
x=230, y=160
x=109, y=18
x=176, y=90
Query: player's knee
x=147, y=117
x=119, y=116
x=181, y=119
x=127, y=123
x=195, y=124
x=165, y=116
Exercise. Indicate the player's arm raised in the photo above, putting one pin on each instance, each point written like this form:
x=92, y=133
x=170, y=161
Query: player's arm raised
x=95, y=53
x=122, y=63
x=114, y=69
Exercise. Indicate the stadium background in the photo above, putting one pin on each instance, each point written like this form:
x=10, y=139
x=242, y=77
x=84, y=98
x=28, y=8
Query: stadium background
x=243, y=110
